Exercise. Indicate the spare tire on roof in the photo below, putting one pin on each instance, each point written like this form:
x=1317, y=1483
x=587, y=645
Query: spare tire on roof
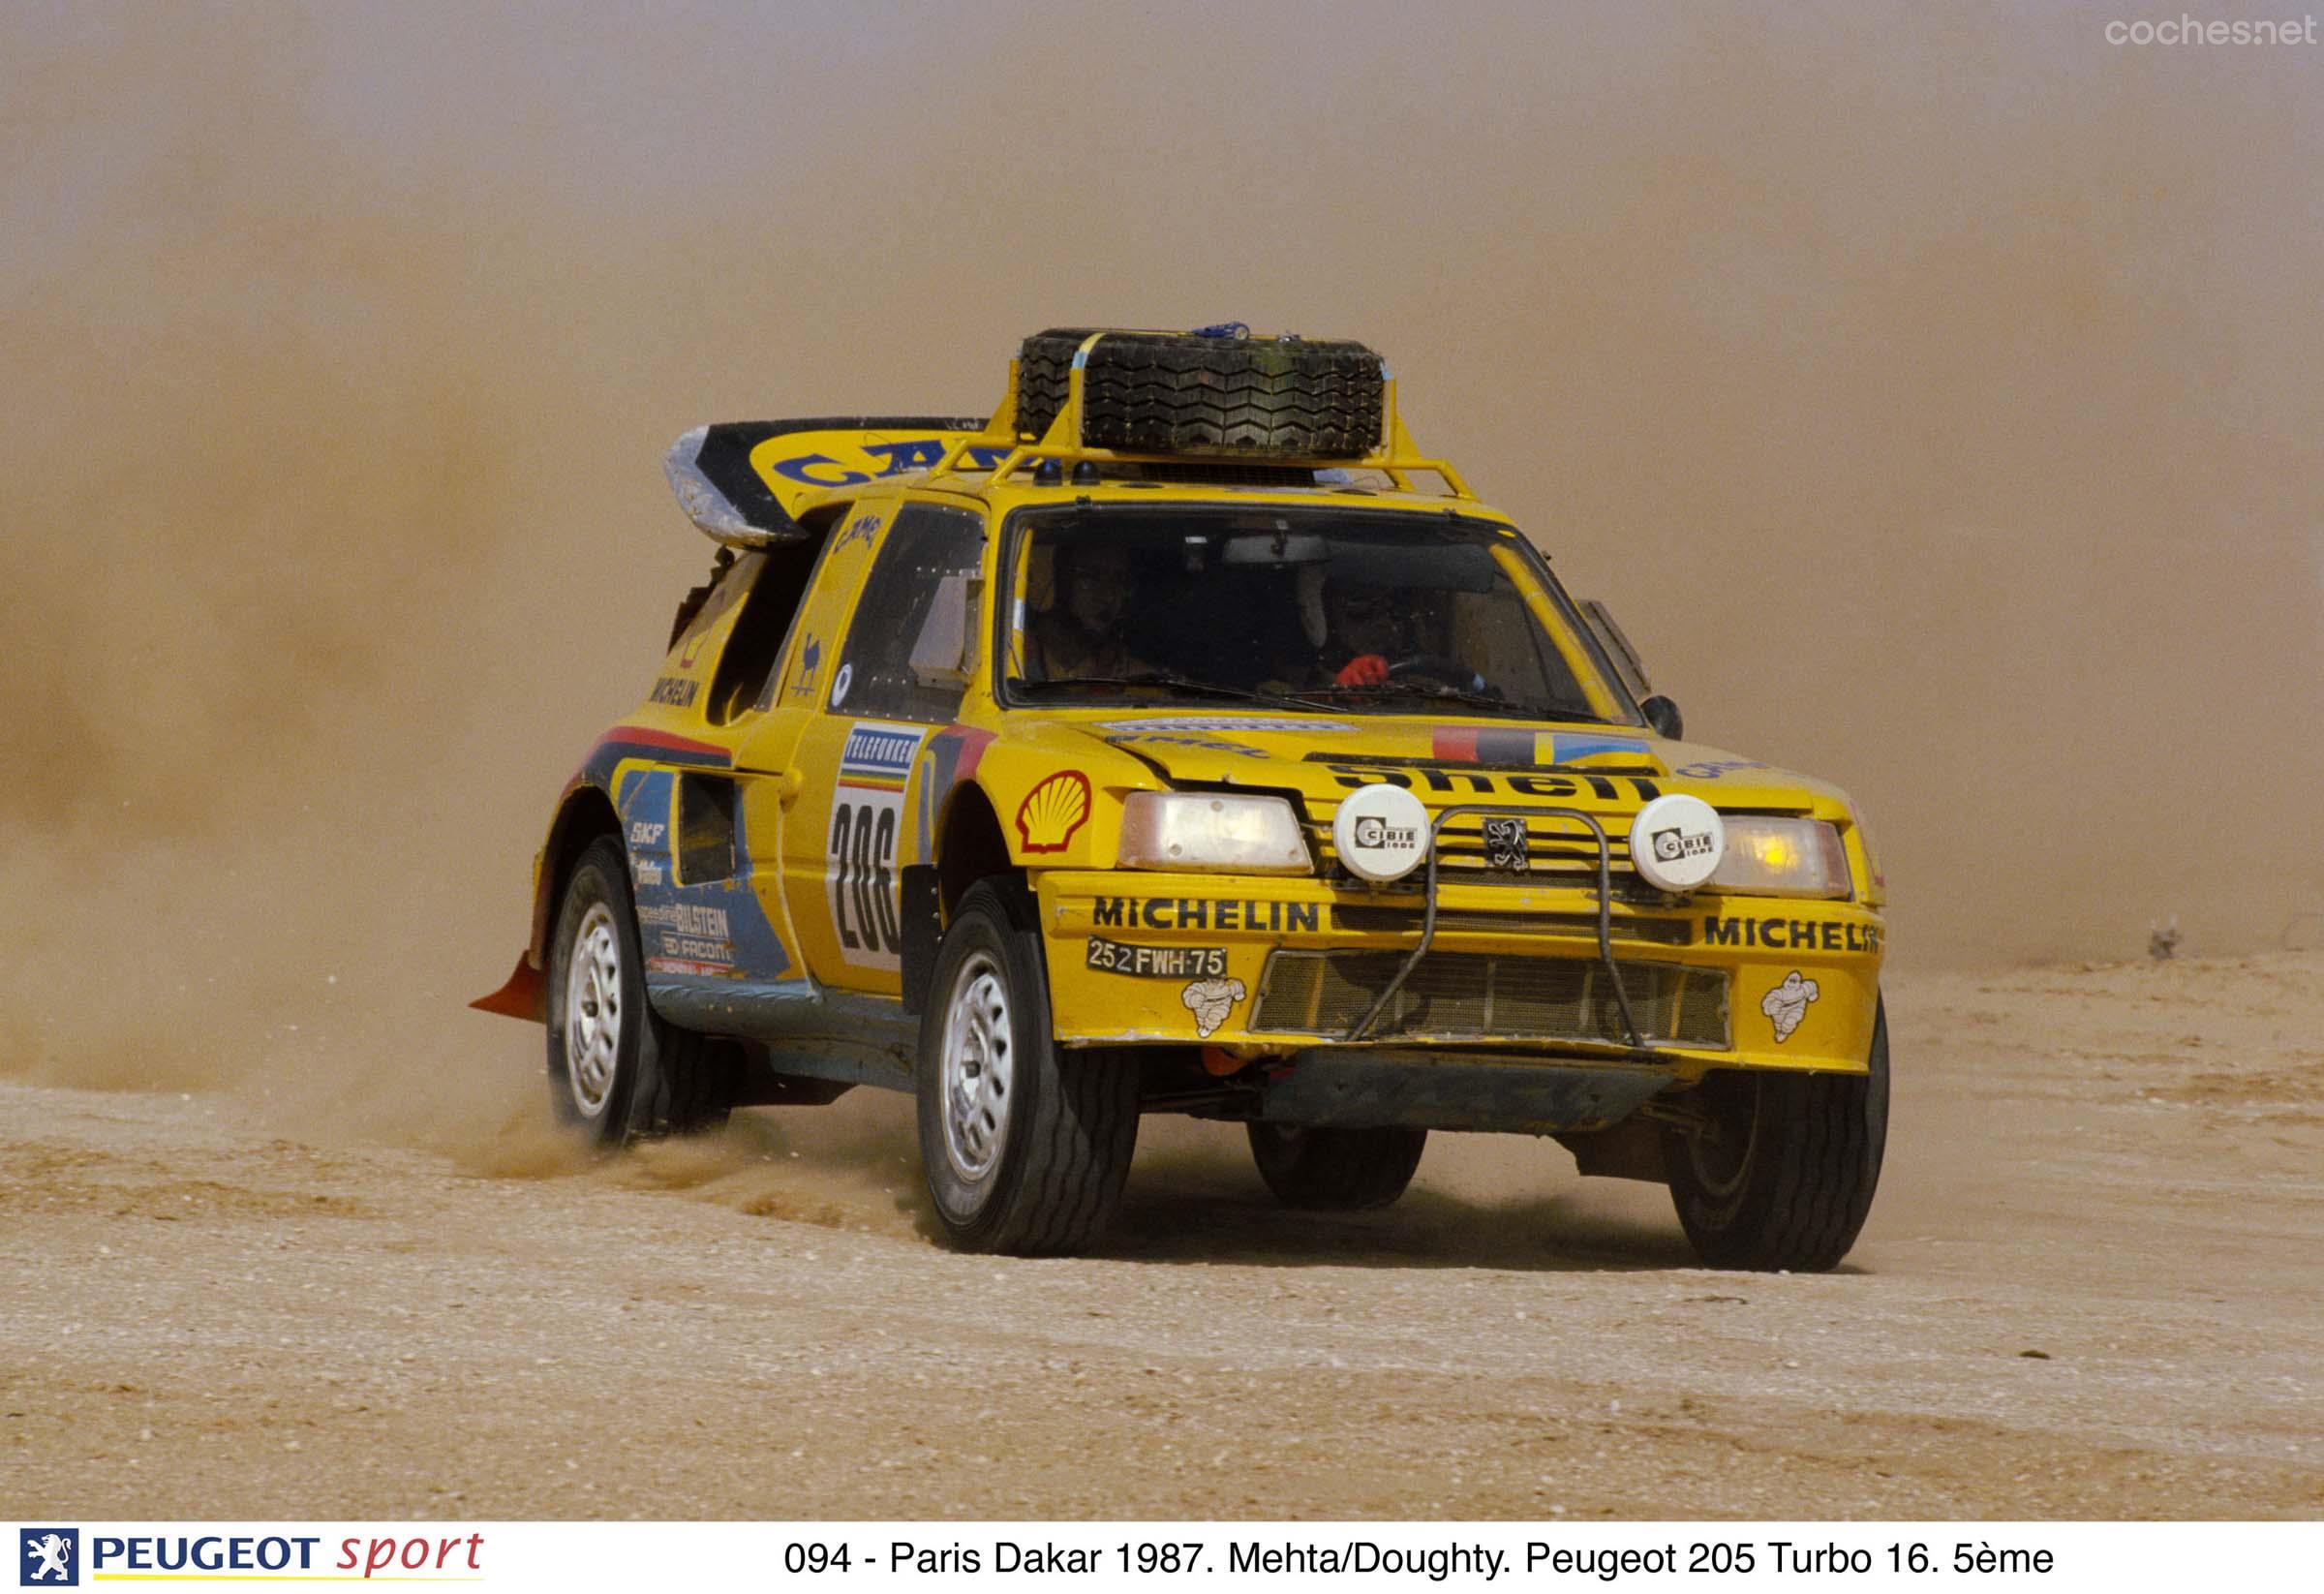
x=1172, y=393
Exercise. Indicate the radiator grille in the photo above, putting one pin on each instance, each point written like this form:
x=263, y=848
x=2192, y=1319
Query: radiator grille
x=1559, y=852
x=1404, y=919
x=1466, y=996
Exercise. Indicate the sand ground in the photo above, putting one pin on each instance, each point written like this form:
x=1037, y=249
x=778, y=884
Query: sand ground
x=2090, y=1287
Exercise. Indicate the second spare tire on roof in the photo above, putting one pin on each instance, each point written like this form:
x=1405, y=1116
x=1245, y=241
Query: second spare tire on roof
x=1172, y=393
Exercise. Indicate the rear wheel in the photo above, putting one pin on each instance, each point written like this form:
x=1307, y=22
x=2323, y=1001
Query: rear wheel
x=1337, y=1169
x=1024, y=1147
x=1789, y=1179
x=616, y=1069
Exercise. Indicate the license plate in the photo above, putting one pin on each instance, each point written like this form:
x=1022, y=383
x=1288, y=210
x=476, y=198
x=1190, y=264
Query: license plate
x=1157, y=963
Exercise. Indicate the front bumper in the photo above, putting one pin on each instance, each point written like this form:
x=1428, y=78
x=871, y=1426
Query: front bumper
x=1152, y=958
x=1371, y=1088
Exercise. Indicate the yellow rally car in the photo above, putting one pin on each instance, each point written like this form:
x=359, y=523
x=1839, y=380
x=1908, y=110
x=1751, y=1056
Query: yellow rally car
x=1181, y=740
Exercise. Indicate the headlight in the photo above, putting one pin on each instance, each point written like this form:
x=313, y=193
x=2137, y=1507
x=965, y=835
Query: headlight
x=1782, y=857
x=1212, y=831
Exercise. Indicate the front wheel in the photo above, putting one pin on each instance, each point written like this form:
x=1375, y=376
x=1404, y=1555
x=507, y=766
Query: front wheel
x=1789, y=1179
x=1337, y=1169
x=1025, y=1148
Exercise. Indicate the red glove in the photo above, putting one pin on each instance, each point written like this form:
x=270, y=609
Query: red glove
x=1366, y=669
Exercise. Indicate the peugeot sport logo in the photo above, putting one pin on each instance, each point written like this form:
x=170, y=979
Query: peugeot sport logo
x=50, y=1557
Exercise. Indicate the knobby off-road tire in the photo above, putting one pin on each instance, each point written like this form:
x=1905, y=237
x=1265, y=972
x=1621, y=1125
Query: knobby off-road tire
x=1337, y=1169
x=1162, y=393
x=617, y=1071
x=1024, y=1147
x=1790, y=1181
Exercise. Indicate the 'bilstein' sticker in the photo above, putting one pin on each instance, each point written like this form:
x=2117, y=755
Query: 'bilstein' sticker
x=1157, y=963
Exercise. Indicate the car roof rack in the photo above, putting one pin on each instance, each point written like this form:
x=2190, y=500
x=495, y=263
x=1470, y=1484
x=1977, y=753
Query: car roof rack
x=1397, y=457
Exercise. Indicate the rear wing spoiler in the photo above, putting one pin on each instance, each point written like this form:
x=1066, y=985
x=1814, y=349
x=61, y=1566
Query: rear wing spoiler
x=740, y=481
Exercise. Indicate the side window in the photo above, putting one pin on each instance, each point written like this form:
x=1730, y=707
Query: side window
x=926, y=543
x=776, y=579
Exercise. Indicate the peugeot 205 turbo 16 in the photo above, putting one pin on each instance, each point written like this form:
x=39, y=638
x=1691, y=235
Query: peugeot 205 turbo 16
x=1181, y=739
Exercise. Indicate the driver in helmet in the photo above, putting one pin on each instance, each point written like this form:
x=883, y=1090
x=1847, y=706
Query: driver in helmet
x=1080, y=633
x=1367, y=634
x=1365, y=626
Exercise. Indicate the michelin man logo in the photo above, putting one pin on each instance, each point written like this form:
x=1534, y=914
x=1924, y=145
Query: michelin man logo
x=47, y=1554
x=1210, y=1001
x=1786, y=1004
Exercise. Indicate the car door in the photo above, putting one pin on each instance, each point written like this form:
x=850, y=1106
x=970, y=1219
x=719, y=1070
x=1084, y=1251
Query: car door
x=706, y=868
x=867, y=714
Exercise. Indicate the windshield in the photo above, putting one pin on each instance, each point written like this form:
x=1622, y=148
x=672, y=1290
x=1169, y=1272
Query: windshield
x=1336, y=610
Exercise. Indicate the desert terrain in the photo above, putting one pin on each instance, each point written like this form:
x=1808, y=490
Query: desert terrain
x=2089, y=1288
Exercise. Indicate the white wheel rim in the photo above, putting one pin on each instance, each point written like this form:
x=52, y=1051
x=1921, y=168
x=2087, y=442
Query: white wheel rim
x=592, y=1010
x=977, y=1071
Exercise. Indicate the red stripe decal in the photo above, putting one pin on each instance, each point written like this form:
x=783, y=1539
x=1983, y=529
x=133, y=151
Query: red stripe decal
x=972, y=751
x=1454, y=744
x=639, y=736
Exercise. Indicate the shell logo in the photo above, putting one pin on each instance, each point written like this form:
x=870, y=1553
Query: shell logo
x=1052, y=811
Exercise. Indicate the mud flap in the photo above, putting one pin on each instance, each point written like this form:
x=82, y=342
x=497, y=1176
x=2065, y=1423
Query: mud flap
x=526, y=996
x=921, y=904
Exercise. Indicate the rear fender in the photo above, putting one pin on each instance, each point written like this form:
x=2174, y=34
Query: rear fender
x=585, y=815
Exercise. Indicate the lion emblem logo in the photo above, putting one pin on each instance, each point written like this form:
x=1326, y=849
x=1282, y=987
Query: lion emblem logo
x=49, y=1556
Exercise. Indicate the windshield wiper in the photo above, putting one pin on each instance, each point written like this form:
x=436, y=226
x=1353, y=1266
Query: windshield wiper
x=1461, y=694
x=1165, y=678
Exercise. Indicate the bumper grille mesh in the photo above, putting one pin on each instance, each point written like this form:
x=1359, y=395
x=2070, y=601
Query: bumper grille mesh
x=1473, y=996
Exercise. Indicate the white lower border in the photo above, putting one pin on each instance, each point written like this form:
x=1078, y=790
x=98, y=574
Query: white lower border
x=876, y=1557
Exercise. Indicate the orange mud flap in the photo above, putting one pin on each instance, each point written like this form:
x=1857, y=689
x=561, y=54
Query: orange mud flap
x=526, y=996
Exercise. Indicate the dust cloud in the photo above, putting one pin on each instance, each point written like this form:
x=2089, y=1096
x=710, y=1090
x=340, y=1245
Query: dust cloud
x=1932, y=396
